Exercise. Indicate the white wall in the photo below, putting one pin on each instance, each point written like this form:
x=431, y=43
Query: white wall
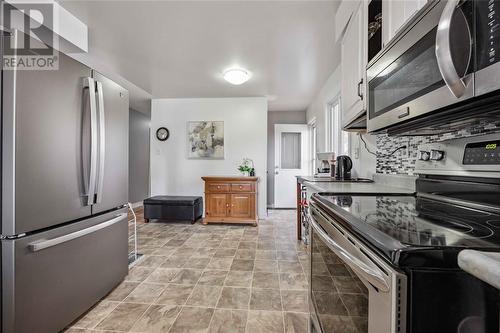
x=245, y=127
x=365, y=164
x=317, y=109
x=138, y=153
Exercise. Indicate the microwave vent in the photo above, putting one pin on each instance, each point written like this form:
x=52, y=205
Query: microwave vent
x=485, y=109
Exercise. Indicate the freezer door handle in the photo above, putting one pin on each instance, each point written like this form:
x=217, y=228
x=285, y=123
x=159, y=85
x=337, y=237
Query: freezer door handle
x=44, y=244
x=89, y=83
x=102, y=140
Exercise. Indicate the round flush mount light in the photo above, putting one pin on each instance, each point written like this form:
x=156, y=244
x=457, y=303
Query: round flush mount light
x=236, y=76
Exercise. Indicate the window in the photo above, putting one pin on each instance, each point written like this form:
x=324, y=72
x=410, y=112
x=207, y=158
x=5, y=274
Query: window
x=290, y=150
x=313, y=146
x=337, y=139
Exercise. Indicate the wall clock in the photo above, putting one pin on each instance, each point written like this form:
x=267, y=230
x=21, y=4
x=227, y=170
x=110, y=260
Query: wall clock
x=162, y=133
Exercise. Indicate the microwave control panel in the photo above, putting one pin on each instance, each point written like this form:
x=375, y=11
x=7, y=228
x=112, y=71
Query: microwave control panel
x=487, y=32
x=481, y=153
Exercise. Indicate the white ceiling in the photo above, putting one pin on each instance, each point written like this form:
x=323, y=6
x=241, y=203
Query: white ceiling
x=177, y=49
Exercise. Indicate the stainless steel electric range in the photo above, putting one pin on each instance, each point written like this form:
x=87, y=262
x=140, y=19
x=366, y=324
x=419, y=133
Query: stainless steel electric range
x=388, y=263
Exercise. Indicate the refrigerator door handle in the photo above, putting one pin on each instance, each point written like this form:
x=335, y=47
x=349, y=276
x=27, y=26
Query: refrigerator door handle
x=102, y=141
x=89, y=83
x=44, y=244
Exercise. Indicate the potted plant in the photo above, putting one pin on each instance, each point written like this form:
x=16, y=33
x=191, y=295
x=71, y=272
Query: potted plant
x=246, y=167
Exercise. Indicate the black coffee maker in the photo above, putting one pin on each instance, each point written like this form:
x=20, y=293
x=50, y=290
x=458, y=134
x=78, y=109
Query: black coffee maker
x=343, y=167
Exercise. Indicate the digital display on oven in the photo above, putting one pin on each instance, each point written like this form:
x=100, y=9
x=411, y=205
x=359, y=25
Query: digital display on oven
x=480, y=153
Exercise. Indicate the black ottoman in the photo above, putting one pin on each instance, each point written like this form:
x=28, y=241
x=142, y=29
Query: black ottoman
x=173, y=208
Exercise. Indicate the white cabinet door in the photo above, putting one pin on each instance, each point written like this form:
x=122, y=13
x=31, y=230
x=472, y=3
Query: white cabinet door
x=353, y=66
x=395, y=13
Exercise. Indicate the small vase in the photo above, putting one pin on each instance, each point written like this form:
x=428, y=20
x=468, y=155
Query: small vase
x=245, y=173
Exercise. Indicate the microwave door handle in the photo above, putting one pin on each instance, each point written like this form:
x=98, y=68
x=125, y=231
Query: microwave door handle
x=102, y=141
x=369, y=273
x=443, y=51
x=89, y=83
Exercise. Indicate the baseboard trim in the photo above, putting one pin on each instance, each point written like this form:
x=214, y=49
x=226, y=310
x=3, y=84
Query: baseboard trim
x=271, y=207
x=136, y=204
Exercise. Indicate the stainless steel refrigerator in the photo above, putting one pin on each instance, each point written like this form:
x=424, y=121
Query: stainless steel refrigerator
x=64, y=174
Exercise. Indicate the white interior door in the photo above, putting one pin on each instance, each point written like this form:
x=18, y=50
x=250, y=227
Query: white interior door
x=291, y=151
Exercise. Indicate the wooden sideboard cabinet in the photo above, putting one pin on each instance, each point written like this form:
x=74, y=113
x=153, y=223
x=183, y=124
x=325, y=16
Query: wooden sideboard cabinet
x=231, y=200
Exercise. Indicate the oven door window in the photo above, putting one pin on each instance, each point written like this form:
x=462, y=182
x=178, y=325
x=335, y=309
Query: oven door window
x=339, y=298
x=414, y=74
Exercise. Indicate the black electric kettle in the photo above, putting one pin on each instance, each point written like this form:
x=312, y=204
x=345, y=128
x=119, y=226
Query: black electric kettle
x=343, y=167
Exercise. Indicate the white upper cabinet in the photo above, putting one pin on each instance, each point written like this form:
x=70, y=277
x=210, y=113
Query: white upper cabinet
x=352, y=25
x=395, y=13
x=353, y=65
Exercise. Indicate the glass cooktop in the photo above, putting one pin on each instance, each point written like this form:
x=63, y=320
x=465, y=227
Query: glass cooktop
x=417, y=221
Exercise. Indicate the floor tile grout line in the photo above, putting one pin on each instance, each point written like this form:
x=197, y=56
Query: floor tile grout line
x=217, y=302
x=185, y=302
x=250, y=296
x=95, y=325
x=282, y=244
x=140, y=317
x=281, y=299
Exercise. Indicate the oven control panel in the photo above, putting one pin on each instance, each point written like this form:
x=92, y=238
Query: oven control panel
x=479, y=153
x=471, y=156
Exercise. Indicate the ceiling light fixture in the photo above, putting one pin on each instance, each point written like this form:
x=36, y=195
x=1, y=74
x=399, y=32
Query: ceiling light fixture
x=236, y=76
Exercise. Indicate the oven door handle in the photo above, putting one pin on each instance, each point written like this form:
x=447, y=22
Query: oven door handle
x=371, y=274
x=443, y=51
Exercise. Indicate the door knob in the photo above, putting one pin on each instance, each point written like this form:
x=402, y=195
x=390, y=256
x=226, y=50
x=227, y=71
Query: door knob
x=276, y=172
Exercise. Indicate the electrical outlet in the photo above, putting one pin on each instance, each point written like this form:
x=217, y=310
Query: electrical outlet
x=405, y=153
x=356, y=153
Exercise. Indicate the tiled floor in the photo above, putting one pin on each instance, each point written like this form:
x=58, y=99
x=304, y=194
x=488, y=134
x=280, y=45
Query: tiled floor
x=215, y=278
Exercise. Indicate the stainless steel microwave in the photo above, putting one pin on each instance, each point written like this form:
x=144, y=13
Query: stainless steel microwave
x=440, y=72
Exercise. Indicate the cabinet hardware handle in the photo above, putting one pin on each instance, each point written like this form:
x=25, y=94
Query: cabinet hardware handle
x=405, y=113
x=360, y=94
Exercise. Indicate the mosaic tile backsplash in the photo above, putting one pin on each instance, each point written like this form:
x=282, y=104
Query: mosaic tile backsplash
x=399, y=163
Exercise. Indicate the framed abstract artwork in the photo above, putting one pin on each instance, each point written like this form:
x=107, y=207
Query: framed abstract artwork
x=205, y=139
